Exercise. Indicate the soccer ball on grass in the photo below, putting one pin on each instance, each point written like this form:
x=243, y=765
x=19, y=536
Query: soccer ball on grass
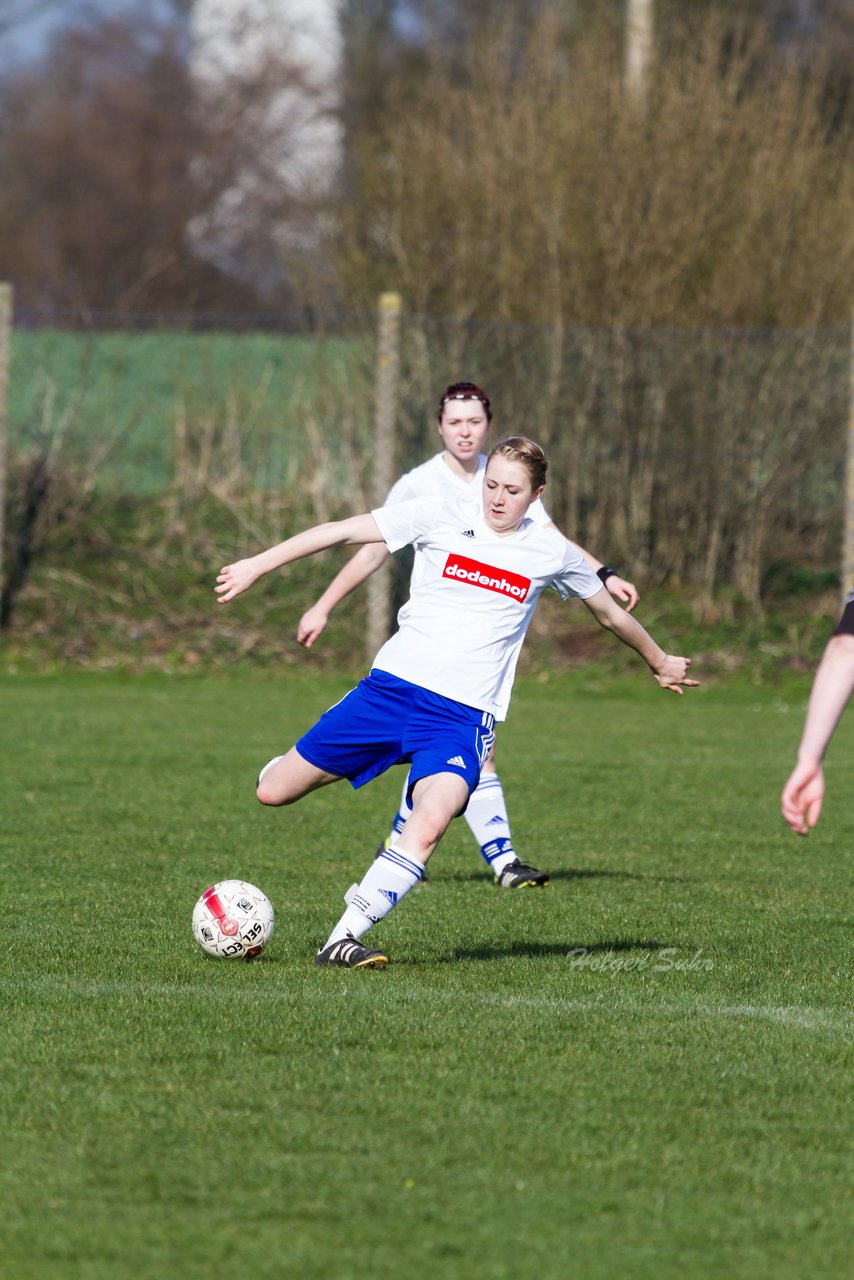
x=233, y=920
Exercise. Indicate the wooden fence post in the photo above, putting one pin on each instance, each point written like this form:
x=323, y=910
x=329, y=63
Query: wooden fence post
x=638, y=50
x=6, y=297
x=385, y=413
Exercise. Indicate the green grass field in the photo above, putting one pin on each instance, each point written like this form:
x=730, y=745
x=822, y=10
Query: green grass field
x=644, y=1071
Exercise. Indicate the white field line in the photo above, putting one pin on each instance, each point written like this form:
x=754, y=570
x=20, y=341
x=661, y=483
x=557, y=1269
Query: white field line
x=803, y=1017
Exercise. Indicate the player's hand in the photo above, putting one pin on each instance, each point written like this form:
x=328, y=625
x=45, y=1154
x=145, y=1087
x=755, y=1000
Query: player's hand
x=625, y=592
x=673, y=673
x=803, y=796
x=234, y=578
x=310, y=625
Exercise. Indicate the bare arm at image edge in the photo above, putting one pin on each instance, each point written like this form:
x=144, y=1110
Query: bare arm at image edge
x=803, y=794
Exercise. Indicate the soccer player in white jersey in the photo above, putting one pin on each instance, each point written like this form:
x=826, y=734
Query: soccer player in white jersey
x=439, y=684
x=803, y=794
x=464, y=418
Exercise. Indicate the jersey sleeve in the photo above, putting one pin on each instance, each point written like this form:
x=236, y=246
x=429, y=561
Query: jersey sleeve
x=845, y=625
x=403, y=490
x=404, y=522
x=575, y=577
x=538, y=513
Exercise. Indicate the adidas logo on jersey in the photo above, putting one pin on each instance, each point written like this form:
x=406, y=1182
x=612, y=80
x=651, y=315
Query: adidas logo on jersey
x=458, y=761
x=467, y=533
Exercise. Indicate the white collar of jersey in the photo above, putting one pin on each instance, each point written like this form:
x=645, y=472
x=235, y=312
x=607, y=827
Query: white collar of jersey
x=527, y=523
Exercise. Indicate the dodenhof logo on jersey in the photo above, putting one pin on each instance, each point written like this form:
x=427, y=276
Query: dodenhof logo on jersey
x=486, y=575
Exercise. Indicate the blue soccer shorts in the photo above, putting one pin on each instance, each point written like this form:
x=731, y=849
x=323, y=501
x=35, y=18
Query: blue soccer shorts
x=386, y=721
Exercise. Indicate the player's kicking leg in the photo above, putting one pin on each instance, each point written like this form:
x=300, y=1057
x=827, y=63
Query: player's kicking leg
x=436, y=800
x=398, y=823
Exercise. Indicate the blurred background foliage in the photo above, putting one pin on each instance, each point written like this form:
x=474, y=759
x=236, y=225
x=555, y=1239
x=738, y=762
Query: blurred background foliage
x=512, y=178
x=493, y=165
x=658, y=288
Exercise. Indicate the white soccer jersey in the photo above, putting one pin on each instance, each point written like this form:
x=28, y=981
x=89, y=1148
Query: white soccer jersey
x=435, y=479
x=472, y=598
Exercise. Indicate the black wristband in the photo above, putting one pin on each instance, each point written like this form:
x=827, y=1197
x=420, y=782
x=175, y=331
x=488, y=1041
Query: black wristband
x=605, y=573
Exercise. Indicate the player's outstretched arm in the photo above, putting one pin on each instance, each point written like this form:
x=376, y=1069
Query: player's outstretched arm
x=620, y=588
x=359, y=567
x=232, y=579
x=670, y=672
x=803, y=793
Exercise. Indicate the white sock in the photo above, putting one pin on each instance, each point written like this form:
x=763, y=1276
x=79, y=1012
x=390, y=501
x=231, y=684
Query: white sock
x=487, y=817
x=388, y=879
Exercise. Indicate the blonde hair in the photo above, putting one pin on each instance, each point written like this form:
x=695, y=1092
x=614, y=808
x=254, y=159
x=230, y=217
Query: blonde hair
x=528, y=452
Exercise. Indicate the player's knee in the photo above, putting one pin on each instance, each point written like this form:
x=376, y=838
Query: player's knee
x=265, y=790
x=432, y=831
x=264, y=793
x=268, y=794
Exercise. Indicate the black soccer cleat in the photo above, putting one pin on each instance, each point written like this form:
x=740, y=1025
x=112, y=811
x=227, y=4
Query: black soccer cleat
x=519, y=876
x=348, y=953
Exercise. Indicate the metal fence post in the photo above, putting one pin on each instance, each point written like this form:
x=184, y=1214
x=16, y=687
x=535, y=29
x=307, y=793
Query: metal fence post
x=6, y=297
x=385, y=412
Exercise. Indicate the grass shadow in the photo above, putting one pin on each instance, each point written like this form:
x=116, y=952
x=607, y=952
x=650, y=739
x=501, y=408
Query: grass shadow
x=541, y=950
x=563, y=873
x=594, y=873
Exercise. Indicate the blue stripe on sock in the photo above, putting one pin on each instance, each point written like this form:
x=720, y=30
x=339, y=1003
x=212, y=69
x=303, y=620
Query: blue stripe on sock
x=494, y=849
x=398, y=859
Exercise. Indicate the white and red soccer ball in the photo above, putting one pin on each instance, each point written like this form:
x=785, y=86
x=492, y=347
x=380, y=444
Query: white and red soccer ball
x=233, y=920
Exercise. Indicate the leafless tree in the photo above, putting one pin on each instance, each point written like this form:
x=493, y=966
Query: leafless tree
x=111, y=159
